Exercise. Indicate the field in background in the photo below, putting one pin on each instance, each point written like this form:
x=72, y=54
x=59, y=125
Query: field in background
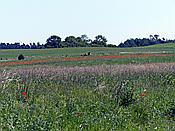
x=75, y=56
x=112, y=89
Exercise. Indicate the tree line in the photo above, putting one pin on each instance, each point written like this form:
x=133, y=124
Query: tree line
x=17, y=45
x=55, y=41
x=152, y=40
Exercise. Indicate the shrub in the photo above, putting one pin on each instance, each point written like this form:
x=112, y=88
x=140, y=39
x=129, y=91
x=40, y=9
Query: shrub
x=21, y=57
x=123, y=94
x=89, y=53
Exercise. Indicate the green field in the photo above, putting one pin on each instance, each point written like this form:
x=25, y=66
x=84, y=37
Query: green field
x=88, y=95
x=57, y=54
x=72, y=52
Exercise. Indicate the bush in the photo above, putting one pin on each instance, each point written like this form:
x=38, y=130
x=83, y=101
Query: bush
x=123, y=94
x=21, y=57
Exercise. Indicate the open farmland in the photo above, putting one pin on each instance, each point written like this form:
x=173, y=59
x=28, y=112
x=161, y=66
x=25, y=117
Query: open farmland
x=74, y=56
x=111, y=89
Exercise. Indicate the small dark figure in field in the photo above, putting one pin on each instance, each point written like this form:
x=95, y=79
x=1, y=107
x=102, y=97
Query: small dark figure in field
x=86, y=54
x=89, y=53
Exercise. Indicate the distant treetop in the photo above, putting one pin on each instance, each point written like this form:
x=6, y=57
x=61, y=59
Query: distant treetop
x=152, y=40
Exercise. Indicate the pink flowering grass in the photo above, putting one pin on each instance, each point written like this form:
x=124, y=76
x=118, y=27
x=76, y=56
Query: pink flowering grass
x=65, y=73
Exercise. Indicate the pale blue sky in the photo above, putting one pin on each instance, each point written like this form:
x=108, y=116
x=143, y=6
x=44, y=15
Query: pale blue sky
x=35, y=20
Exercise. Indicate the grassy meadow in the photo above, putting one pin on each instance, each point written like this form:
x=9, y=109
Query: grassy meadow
x=112, y=89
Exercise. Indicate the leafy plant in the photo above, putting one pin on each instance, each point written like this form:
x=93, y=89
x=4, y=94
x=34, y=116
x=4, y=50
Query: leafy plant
x=21, y=57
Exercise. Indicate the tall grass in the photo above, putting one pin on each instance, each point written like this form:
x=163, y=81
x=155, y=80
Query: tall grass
x=84, y=73
x=106, y=97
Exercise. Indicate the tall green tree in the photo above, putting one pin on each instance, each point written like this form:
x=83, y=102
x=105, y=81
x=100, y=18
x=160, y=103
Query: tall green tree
x=53, y=42
x=86, y=40
x=156, y=36
x=71, y=41
x=100, y=41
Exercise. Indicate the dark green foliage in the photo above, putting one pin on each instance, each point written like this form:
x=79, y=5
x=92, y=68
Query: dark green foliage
x=140, y=114
x=99, y=41
x=171, y=113
x=73, y=106
x=53, y=42
x=145, y=41
x=72, y=41
x=123, y=94
x=21, y=57
x=111, y=45
x=83, y=41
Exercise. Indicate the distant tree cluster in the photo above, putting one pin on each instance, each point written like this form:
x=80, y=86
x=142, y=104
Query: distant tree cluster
x=55, y=41
x=72, y=41
x=21, y=46
x=152, y=40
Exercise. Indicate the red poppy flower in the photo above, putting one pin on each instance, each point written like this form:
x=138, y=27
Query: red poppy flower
x=24, y=93
x=142, y=94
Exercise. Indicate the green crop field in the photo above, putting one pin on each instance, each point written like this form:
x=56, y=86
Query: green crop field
x=112, y=89
x=56, y=56
x=167, y=48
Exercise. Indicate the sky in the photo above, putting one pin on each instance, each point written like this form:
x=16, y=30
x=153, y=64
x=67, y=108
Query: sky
x=28, y=21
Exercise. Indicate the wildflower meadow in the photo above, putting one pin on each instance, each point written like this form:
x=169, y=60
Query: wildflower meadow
x=103, y=96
